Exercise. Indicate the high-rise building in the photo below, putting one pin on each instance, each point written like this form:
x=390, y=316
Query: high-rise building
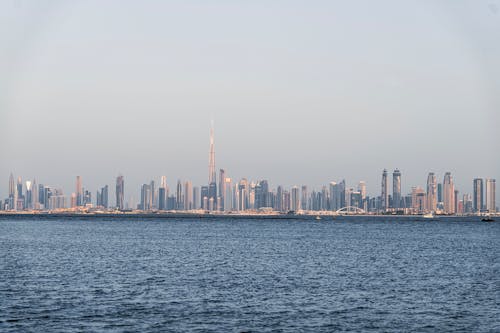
x=448, y=194
x=262, y=194
x=418, y=200
x=79, y=191
x=28, y=200
x=304, y=198
x=440, y=192
x=491, y=195
x=196, y=197
x=163, y=194
x=204, y=197
x=396, y=189
x=35, y=195
x=212, y=177
x=431, y=205
x=20, y=195
x=362, y=191
x=12, y=188
x=243, y=194
x=41, y=195
x=120, y=192
x=384, y=193
x=477, y=198
x=104, y=196
x=222, y=188
x=12, y=200
x=179, y=203
x=145, y=197
x=228, y=196
x=154, y=204
x=295, y=199
x=188, y=196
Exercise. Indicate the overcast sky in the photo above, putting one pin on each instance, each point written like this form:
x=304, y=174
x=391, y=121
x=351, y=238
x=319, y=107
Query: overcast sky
x=301, y=92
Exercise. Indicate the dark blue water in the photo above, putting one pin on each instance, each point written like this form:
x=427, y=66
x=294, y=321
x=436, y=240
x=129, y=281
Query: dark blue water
x=249, y=275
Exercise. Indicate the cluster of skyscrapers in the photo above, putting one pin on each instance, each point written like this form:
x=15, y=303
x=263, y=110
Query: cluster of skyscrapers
x=226, y=195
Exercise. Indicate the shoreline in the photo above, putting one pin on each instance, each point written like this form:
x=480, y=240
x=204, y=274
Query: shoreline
x=211, y=216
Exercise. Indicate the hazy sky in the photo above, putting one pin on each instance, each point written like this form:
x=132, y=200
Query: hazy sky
x=301, y=92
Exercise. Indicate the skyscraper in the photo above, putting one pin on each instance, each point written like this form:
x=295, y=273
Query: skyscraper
x=188, y=196
x=34, y=196
x=222, y=188
x=162, y=194
x=12, y=193
x=295, y=200
x=120, y=192
x=362, y=191
x=385, y=193
x=179, y=204
x=448, y=194
x=431, y=205
x=304, y=198
x=477, y=199
x=196, y=197
x=79, y=191
x=490, y=195
x=12, y=188
x=212, y=178
x=228, y=196
x=145, y=197
x=396, y=188
x=29, y=196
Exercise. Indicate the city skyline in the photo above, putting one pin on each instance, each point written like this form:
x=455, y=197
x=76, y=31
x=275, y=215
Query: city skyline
x=233, y=194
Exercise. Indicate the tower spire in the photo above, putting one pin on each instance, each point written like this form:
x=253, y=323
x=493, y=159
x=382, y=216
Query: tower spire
x=211, y=156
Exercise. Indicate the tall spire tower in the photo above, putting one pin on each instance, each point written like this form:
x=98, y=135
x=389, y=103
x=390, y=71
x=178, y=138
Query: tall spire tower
x=211, y=157
x=212, y=178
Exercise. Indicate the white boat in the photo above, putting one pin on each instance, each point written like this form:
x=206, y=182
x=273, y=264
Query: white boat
x=428, y=216
x=317, y=217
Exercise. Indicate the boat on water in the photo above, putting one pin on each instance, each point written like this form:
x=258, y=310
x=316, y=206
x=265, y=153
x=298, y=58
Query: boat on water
x=487, y=219
x=428, y=216
x=317, y=218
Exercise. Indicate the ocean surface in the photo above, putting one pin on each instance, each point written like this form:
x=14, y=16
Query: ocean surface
x=238, y=275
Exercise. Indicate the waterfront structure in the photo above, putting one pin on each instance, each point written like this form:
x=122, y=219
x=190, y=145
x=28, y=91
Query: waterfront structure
x=120, y=192
x=448, y=194
x=396, y=189
x=490, y=195
x=477, y=199
x=384, y=192
x=431, y=204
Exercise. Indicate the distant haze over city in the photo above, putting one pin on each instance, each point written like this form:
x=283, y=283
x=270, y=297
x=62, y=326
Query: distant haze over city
x=299, y=92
